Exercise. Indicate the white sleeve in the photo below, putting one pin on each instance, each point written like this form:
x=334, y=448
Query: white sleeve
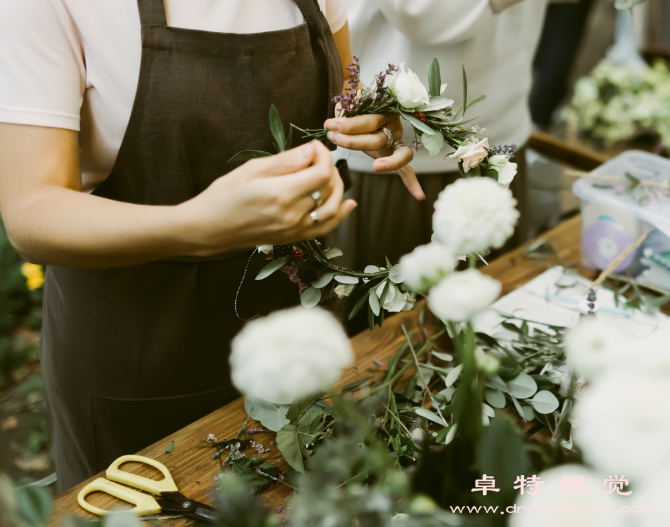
x=336, y=13
x=42, y=73
x=437, y=22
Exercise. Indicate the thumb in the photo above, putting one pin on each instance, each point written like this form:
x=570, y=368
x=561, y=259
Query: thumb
x=287, y=162
x=411, y=182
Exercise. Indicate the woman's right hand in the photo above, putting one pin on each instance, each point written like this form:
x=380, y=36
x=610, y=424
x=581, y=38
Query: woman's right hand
x=268, y=201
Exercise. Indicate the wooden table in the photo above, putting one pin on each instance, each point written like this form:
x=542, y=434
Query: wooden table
x=191, y=463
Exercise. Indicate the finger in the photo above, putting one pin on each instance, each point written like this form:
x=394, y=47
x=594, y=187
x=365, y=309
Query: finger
x=361, y=124
x=321, y=176
x=316, y=231
x=398, y=159
x=363, y=142
x=287, y=162
x=329, y=208
x=411, y=182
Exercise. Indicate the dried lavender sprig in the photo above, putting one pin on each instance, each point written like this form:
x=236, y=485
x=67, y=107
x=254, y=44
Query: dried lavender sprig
x=503, y=150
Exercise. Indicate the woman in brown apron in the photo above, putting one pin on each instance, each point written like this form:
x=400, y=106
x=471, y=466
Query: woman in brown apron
x=130, y=354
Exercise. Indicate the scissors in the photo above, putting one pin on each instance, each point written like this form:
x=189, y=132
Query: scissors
x=170, y=500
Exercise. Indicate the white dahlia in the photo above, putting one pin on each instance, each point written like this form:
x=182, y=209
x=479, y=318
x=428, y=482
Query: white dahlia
x=289, y=354
x=473, y=215
x=595, y=345
x=426, y=265
x=461, y=296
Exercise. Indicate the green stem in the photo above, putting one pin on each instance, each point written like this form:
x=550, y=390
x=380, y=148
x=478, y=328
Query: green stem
x=472, y=261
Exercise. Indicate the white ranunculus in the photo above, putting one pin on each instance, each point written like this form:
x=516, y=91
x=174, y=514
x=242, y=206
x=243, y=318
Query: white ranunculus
x=652, y=495
x=595, y=345
x=408, y=89
x=471, y=153
x=462, y=295
x=426, y=265
x=344, y=290
x=289, y=354
x=622, y=424
x=473, y=215
x=553, y=494
x=651, y=353
x=395, y=300
x=505, y=168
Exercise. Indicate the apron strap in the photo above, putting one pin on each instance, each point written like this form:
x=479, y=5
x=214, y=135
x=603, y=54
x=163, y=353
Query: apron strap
x=321, y=34
x=152, y=13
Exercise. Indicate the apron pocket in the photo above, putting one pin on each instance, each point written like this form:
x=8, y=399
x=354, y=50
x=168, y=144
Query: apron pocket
x=125, y=426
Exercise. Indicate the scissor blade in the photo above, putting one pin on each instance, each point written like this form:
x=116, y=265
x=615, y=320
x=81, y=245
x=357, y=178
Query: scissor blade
x=176, y=502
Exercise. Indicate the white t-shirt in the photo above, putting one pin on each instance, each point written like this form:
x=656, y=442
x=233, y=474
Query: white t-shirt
x=494, y=39
x=75, y=63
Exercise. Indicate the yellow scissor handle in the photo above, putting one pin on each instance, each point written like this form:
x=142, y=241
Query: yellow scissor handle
x=133, y=480
x=144, y=504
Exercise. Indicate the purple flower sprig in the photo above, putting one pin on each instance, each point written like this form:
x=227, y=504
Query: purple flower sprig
x=369, y=99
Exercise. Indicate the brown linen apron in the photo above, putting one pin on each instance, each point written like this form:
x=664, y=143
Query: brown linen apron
x=133, y=354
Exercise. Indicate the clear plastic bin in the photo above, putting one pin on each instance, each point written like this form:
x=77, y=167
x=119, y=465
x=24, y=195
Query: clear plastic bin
x=615, y=214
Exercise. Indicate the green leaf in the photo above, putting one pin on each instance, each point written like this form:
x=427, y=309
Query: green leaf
x=433, y=143
x=509, y=367
x=271, y=416
x=502, y=454
x=434, y=78
x=34, y=505
x=522, y=386
x=495, y=398
x=431, y=416
x=334, y=252
x=395, y=274
x=354, y=385
x=442, y=356
x=169, y=448
x=323, y=280
x=465, y=91
x=545, y=402
x=121, y=519
x=477, y=100
x=374, y=304
x=519, y=410
x=344, y=279
x=273, y=266
x=436, y=103
x=246, y=155
x=277, y=128
x=310, y=297
x=634, y=182
x=418, y=124
x=453, y=375
x=288, y=445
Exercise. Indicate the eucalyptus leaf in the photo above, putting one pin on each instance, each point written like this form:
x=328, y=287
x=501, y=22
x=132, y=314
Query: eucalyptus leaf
x=344, y=279
x=451, y=434
x=395, y=274
x=487, y=410
x=277, y=128
x=334, y=252
x=453, y=375
x=448, y=393
x=522, y=386
x=528, y=412
x=498, y=383
x=374, y=304
x=442, y=356
x=34, y=505
x=369, y=269
x=545, y=402
x=433, y=143
x=430, y=415
x=310, y=297
x=494, y=397
x=519, y=410
x=271, y=416
x=289, y=446
x=273, y=266
x=246, y=155
x=121, y=519
x=323, y=280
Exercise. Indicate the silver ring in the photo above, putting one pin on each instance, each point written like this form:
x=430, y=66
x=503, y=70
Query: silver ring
x=398, y=144
x=316, y=196
x=389, y=136
x=315, y=217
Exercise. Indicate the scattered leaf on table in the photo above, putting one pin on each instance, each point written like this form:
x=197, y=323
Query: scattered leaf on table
x=522, y=386
x=545, y=402
x=287, y=442
x=9, y=424
x=169, y=448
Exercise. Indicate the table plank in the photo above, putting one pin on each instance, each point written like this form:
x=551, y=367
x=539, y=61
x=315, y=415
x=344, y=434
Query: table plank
x=191, y=463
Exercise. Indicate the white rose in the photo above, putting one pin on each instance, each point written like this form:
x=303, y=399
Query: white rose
x=408, y=89
x=289, y=354
x=594, y=345
x=462, y=295
x=553, y=494
x=622, y=424
x=426, y=265
x=473, y=215
x=471, y=153
x=505, y=168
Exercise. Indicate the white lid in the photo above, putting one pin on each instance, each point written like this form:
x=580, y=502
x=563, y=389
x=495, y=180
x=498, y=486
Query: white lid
x=643, y=166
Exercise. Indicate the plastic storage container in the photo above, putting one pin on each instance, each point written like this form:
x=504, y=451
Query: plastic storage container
x=627, y=197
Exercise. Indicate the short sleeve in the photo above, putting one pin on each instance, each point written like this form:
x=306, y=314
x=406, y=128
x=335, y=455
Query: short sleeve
x=42, y=73
x=336, y=13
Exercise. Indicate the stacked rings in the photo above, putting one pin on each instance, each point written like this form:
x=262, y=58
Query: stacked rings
x=389, y=137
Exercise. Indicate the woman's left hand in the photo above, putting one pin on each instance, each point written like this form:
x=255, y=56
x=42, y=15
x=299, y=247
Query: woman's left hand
x=364, y=133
